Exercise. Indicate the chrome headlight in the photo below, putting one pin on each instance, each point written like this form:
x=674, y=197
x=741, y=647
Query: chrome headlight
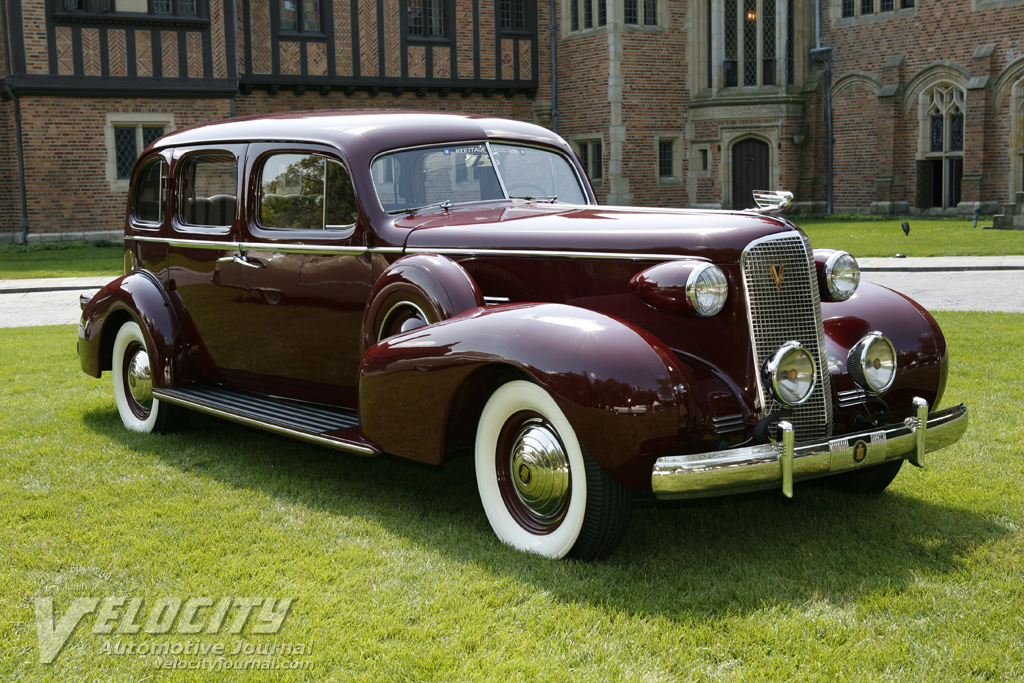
x=790, y=374
x=872, y=363
x=706, y=289
x=842, y=275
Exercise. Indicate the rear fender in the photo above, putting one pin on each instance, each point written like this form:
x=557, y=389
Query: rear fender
x=622, y=389
x=137, y=296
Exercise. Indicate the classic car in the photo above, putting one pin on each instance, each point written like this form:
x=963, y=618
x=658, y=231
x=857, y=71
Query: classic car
x=429, y=285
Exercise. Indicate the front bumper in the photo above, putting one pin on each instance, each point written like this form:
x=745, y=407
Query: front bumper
x=778, y=465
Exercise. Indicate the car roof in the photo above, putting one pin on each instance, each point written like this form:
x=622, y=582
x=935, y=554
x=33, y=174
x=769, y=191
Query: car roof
x=361, y=132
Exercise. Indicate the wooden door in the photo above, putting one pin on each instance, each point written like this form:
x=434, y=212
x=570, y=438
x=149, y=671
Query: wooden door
x=750, y=162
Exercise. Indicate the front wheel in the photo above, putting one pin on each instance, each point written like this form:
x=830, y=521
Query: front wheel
x=541, y=491
x=133, y=386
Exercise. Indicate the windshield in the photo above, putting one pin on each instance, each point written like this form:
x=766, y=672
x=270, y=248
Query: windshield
x=417, y=178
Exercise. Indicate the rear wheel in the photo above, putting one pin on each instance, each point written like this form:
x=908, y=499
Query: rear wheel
x=133, y=386
x=541, y=490
x=869, y=480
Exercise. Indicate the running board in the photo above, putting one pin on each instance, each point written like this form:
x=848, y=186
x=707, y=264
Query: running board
x=324, y=425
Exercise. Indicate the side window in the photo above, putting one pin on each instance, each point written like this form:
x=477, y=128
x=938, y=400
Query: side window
x=149, y=196
x=207, y=190
x=306, y=192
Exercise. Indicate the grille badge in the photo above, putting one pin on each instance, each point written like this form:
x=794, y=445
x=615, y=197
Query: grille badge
x=777, y=275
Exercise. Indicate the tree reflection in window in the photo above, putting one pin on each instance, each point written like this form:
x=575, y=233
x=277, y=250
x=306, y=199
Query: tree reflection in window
x=292, y=192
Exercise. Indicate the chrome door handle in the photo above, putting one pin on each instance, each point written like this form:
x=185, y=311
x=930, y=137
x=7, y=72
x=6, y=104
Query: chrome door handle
x=240, y=260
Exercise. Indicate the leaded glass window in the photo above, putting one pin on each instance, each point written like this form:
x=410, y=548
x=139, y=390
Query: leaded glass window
x=126, y=151
x=867, y=6
x=848, y=8
x=790, y=42
x=887, y=6
x=665, y=164
x=632, y=12
x=768, y=52
x=731, y=63
x=650, y=12
x=750, y=42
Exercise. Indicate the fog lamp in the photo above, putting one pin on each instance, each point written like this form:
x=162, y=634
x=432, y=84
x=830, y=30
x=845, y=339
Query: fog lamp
x=872, y=363
x=790, y=374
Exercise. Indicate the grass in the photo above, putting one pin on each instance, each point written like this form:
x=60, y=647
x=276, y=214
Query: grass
x=861, y=236
x=396, y=574
x=60, y=259
x=883, y=236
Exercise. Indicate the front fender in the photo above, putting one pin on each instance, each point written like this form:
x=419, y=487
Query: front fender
x=137, y=296
x=622, y=390
x=921, y=352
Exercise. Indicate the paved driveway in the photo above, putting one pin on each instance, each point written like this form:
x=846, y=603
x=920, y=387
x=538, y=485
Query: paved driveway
x=938, y=284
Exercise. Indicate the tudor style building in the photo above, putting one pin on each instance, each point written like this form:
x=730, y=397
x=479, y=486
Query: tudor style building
x=668, y=102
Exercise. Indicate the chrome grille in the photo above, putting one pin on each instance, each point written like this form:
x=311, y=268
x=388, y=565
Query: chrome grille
x=788, y=311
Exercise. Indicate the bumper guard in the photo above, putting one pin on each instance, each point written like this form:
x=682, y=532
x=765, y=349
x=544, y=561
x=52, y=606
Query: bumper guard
x=766, y=466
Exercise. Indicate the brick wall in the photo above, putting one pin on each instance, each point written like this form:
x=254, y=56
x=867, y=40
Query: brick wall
x=65, y=163
x=939, y=41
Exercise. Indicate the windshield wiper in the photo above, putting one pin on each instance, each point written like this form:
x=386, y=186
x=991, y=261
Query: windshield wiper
x=540, y=198
x=446, y=204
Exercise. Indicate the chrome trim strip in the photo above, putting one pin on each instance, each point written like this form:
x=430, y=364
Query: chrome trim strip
x=851, y=397
x=755, y=468
x=285, y=431
x=554, y=254
x=276, y=247
x=181, y=242
x=292, y=248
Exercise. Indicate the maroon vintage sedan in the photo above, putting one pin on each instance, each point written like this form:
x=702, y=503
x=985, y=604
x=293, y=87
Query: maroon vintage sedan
x=430, y=284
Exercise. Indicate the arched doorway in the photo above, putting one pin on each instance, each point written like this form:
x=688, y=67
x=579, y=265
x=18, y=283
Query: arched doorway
x=750, y=160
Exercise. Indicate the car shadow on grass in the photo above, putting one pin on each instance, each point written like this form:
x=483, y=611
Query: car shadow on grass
x=685, y=560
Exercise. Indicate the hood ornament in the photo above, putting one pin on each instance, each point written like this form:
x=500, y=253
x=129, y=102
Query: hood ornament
x=771, y=201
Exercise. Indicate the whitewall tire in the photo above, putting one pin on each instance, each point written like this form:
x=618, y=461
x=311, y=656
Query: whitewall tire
x=540, y=489
x=140, y=411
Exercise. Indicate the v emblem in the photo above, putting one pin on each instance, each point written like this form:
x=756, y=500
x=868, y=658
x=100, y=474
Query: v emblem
x=777, y=276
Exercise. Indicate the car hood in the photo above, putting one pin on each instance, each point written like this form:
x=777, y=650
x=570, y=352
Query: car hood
x=535, y=228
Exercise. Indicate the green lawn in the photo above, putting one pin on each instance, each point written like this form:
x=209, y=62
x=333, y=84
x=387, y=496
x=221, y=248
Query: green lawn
x=860, y=236
x=60, y=260
x=877, y=236
x=396, y=575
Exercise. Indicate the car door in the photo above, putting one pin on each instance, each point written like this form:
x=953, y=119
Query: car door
x=202, y=269
x=304, y=302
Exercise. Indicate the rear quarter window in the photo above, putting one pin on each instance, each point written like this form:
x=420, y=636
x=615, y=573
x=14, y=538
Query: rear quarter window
x=149, y=198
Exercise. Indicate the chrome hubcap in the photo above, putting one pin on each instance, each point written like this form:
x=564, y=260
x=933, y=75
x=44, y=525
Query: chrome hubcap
x=539, y=470
x=140, y=379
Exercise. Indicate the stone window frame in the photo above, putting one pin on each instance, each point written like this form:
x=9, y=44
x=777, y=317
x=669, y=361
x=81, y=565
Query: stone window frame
x=589, y=140
x=1016, y=146
x=900, y=10
x=953, y=97
x=597, y=9
x=711, y=59
x=126, y=120
x=676, y=177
